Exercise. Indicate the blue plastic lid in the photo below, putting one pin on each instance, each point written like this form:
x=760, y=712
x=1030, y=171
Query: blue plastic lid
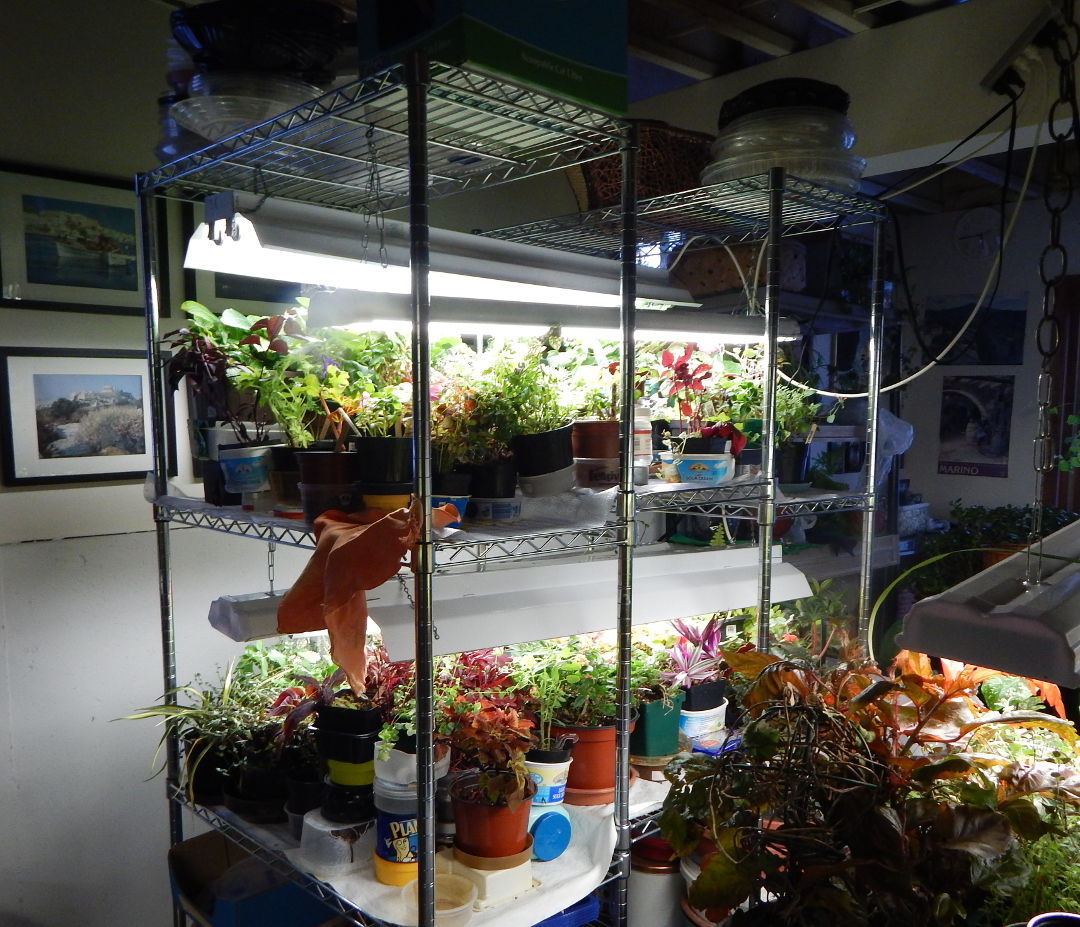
x=551, y=836
x=578, y=914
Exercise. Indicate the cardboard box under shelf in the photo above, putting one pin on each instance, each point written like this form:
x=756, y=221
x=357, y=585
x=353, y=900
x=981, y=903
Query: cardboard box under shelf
x=712, y=271
x=577, y=51
x=196, y=864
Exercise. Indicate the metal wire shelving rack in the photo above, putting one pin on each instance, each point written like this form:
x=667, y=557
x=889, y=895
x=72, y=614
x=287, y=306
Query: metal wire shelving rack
x=428, y=131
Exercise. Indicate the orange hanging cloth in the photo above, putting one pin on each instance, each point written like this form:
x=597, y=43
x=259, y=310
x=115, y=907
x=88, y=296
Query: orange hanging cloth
x=353, y=553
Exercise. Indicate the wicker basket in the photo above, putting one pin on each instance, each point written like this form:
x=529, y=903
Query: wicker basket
x=669, y=160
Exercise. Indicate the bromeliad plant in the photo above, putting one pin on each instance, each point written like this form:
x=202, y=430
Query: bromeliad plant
x=852, y=798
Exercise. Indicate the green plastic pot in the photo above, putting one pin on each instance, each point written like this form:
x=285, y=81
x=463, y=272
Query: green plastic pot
x=657, y=730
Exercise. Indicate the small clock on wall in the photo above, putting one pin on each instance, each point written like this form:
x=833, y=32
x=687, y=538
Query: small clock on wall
x=978, y=233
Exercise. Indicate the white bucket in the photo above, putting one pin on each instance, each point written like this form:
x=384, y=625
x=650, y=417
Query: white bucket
x=550, y=779
x=695, y=724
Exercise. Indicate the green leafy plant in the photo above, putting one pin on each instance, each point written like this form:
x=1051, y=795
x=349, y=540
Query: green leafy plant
x=236, y=362
x=569, y=682
x=222, y=725
x=852, y=797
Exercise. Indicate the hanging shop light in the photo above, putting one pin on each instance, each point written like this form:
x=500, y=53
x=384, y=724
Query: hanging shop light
x=1001, y=619
x=563, y=598
x=391, y=312
x=281, y=240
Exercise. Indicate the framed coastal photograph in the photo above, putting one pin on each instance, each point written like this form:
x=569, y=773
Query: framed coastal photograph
x=69, y=244
x=74, y=416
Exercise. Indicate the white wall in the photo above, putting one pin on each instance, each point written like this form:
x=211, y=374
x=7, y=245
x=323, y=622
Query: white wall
x=936, y=267
x=84, y=834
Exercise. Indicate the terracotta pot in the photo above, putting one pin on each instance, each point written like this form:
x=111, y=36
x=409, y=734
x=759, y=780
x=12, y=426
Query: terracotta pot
x=594, y=756
x=992, y=556
x=486, y=830
x=595, y=438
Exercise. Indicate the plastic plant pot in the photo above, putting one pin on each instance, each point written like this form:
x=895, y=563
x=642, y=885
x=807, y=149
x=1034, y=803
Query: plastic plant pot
x=657, y=730
x=487, y=830
x=455, y=896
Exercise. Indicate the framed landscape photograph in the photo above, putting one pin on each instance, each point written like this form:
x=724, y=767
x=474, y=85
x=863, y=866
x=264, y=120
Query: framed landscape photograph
x=69, y=244
x=74, y=416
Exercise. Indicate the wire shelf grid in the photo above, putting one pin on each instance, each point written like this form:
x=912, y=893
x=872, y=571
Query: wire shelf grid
x=731, y=212
x=482, y=131
x=278, y=862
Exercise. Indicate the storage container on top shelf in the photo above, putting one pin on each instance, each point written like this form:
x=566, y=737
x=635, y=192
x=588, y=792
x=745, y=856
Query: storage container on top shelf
x=575, y=50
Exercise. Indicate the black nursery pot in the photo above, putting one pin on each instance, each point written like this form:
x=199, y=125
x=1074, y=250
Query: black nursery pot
x=346, y=748
x=384, y=460
x=792, y=461
x=304, y=793
x=699, y=445
x=450, y=483
x=537, y=755
x=338, y=468
x=702, y=696
x=348, y=804
x=545, y=452
x=334, y=718
x=492, y=481
x=260, y=798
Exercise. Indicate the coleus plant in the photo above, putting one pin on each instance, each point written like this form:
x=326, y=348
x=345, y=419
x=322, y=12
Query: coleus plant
x=851, y=798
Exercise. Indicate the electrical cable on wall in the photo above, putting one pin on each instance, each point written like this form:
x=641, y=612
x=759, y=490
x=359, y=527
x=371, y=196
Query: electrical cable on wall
x=993, y=275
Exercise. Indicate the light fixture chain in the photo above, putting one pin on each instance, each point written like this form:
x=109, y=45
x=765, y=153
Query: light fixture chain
x=375, y=188
x=1053, y=262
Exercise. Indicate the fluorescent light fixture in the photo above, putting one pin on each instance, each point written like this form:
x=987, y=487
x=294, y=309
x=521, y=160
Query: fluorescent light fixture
x=281, y=240
x=559, y=599
x=391, y=312
x=997, y=620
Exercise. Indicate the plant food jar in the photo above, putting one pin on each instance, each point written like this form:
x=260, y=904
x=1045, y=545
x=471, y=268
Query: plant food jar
x=656, y=885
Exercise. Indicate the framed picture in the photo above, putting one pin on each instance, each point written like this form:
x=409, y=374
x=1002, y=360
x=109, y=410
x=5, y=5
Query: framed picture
x=75, y=416
x=67, y=243
x=249, y=295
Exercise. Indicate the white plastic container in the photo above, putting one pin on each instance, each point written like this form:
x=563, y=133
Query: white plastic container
x=549, y=484
x=695, y=724
x=246, y=468
x=707, y=469
x=550, y=779
x=493, y=511
x=329, y=848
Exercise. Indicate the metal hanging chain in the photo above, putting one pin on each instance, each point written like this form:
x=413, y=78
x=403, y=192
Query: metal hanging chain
x=271, y=548
x=374, y=208
x=403, y=581
x=1064, y=42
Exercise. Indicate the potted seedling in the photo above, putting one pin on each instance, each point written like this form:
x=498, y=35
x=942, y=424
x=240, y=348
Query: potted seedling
x=492, y=799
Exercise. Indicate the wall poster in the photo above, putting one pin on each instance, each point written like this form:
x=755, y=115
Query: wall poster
x=976, y=414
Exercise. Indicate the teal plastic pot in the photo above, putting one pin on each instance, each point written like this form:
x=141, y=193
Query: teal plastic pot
x=657, y=730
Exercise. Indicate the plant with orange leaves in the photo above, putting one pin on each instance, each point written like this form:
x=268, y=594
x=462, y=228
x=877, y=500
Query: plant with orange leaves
x=851, y=797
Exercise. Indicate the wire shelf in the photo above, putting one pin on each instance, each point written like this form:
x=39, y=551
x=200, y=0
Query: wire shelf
x=730, y=499
x=232, y=521
x=533, y=546
x=482, y=132
x=468, y=551
x=726, y=213
x=741, y=500
x=277, y=861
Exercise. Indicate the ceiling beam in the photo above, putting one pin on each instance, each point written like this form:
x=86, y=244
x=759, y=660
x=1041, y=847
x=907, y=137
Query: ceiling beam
x=911, y=200
x=996, y=176
x=668, y=56
x=841, y=13
x=733, y=26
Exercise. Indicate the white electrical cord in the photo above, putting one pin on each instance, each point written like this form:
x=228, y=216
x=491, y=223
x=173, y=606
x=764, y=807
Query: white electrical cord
x=986, y=287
